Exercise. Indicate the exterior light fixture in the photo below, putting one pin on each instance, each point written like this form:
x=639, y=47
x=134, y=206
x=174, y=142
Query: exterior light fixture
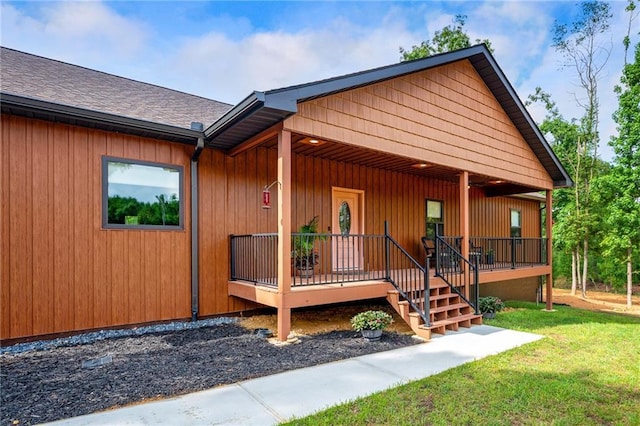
x=420, y=165
x=313, y=141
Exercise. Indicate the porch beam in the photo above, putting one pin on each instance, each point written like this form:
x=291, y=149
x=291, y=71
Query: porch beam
x=549, y=276
x=284, y=233
x=256, y=140
x=464, y=219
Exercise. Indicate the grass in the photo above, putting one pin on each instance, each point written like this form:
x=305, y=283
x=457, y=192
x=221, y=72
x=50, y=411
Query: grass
x=585, y=372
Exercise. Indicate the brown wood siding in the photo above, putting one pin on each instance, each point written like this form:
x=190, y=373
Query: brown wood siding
x=60, y=270
x=490, y=217
x=230, y=203
x=445, y=116
x=230, y=200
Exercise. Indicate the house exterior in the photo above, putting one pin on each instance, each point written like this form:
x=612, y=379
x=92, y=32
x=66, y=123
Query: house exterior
x=126, y=203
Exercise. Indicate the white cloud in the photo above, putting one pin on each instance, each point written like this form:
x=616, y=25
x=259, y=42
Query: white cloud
x=217, y=65
x=269, y=60
x=88, y=33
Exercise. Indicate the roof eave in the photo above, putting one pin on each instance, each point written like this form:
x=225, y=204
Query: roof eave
x=559, y=175
x=31, y=107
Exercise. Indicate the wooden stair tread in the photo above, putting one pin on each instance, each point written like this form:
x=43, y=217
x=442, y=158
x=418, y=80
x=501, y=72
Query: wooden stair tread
x=449, y=307
x=452, y=320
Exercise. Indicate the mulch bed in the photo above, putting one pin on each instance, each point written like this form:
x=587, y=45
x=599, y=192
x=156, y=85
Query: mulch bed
x=50, y=385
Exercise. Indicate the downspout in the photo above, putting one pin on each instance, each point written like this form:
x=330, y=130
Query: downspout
x=194, y=221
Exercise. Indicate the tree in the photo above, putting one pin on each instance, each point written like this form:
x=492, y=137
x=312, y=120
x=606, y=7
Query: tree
x=562, y=135
x=451, y=37
x=587, y=55
x=620, y=190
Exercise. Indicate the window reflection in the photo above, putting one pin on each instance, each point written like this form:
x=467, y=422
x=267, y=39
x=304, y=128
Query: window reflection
x=142, y=194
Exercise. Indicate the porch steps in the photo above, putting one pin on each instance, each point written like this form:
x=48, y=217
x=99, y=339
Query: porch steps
x=447, y=311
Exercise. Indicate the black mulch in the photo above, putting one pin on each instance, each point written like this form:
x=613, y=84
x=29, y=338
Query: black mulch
x=50, y=385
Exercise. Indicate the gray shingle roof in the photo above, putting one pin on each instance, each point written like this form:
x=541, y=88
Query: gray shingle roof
x=39, y=78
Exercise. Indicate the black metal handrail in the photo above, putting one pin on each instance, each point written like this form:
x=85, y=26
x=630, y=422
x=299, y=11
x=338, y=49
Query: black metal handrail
x=408, y=277
x=254, y=258
x=492, y=253
x=457, y=271
x=336, y=258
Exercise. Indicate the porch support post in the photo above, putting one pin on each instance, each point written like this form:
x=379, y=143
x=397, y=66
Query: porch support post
x=284, y=233
x=464, y=222
x=549, y=277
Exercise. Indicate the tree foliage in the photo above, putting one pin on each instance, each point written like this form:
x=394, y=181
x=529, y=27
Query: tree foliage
x=451, y=37
x=586, y=53
x=619, y=191
x=128, y=210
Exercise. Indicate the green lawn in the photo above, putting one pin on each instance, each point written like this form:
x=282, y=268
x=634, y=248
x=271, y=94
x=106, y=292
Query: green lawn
x=585, y=372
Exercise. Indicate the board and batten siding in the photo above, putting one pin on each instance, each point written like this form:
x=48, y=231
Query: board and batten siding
x=445, y=116
x=61, y=271
x=230, y=190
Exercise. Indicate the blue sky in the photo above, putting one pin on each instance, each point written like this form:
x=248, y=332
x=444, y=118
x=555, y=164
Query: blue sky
x=225, y=50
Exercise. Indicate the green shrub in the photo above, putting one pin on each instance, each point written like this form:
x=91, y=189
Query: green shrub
x=491, y=304
x=371, y=320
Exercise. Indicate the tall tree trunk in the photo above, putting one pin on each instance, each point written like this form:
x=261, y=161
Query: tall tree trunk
x=578, y=270
x=585, y=262
x=629, y=278
x=574, y=273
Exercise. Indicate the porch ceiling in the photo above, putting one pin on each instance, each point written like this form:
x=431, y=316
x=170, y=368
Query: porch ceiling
x=380, y=160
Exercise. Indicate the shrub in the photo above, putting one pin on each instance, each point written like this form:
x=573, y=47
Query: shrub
x=371, y=320
x=491, y=304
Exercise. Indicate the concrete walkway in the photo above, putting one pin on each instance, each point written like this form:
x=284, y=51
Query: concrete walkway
x=298, y=393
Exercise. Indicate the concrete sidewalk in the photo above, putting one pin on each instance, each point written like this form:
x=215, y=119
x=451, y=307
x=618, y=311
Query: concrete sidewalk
x=298, y=393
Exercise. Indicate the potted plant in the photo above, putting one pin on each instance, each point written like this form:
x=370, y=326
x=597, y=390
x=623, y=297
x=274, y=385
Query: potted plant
x=371, y=323
x=489, y=305
x=305, y=257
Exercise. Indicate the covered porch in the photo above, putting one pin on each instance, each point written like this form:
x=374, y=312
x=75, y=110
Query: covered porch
x=358, y=266
x=381, y=145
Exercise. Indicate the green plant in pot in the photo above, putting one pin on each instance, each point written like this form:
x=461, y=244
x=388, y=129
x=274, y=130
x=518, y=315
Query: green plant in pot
x=305, y=257
x=489, y=305
x=371, y=323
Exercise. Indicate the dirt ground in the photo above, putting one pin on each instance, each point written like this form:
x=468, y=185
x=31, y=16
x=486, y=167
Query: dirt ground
x=325, y=319
x=599, y=301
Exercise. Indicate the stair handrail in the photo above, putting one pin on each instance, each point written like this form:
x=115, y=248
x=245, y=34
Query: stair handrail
x=424, y=314
x=472, y=268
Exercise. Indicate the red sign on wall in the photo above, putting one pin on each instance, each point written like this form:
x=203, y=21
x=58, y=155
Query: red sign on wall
x=266, y=199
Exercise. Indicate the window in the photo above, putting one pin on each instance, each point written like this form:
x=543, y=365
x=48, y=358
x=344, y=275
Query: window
x=435, y=219
x=516, y=225
x=138, y=194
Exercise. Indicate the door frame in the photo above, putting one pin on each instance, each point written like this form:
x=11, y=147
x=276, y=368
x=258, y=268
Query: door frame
x=359, y=193
x=334, y=208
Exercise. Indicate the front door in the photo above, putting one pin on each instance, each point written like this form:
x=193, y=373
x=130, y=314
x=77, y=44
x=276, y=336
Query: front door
x=348, y=224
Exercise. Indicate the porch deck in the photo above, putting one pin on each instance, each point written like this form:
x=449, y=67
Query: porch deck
x=324, y=289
